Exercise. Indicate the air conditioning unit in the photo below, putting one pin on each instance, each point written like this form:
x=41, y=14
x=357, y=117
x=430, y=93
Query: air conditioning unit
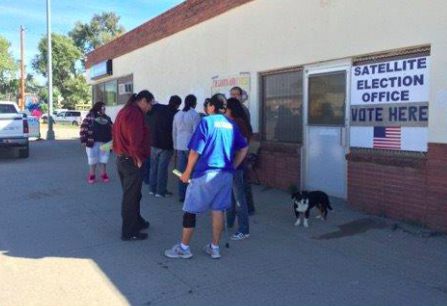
x=125, y=88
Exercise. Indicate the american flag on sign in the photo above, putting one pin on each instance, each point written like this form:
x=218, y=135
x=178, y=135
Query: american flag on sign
x=387, y=137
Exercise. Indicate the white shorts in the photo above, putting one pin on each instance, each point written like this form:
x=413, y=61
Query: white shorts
x=96, y=155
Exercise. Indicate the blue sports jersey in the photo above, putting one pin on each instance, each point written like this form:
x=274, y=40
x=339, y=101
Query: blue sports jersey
x=216, y=139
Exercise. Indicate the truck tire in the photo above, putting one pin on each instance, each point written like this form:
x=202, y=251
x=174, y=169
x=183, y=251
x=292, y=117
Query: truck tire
x=24, y=152
x=75, y=123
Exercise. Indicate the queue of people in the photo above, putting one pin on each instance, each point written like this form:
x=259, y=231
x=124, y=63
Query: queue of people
x=209, y=150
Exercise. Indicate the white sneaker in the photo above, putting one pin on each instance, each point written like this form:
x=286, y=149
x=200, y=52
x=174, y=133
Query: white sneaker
x=240, y=236
x=178, y=252
x=151, y=193
x=214, y=253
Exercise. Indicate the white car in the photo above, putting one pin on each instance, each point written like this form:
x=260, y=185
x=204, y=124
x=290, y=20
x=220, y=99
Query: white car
x=14, y=128
x=70, y=117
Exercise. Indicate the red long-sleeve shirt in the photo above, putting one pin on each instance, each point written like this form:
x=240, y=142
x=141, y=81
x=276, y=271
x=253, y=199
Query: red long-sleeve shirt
x=131, y=134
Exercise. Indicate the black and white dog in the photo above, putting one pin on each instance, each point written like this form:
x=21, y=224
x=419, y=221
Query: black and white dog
x=304, y=201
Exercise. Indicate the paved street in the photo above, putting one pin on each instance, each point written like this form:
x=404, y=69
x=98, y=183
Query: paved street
x=59, y=245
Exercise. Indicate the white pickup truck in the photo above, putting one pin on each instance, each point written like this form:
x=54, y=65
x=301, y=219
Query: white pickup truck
x=14, y=129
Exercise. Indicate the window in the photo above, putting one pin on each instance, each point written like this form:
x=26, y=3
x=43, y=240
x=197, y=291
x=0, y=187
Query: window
x=128, y=88
x=106, y=92
x=7, y=109
x=110, y=93
x=282, y=106
x=327, y=95
x=125, y=88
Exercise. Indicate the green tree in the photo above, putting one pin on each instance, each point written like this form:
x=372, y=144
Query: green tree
x=8, y=68
x=65, y=56
x=31, y=84
x=101, y=29
x=43, y=94
x=77, y=91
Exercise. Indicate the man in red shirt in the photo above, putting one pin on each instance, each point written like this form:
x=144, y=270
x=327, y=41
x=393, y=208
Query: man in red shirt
x=131, y=145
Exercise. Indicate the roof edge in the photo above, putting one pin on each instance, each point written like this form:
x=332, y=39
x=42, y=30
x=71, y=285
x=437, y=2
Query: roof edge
x=183, y=16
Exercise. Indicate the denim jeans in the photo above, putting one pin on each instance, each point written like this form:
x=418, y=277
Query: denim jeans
x=182, y=161
x=146, y=170
x=160, y=159
x=239, y=207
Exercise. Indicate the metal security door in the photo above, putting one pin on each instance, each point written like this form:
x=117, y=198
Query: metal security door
x=326, y=140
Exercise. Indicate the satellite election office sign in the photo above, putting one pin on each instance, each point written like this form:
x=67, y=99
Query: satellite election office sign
x=389, y=104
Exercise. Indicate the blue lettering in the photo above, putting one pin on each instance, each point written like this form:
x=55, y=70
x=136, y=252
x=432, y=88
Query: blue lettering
x=392, y=114
x=418, y=79
x=366, y=97
x=362, y=114
x=405, y=95
x=379, y=115
x=375, y=83
x=412, y=110
x=423, y=113
x=422, y=63
x=360, y=84
x=354, y=112
x=357, y=70
x=395, y=96
x=370, y=113
x=365, y=70
x=403, y=113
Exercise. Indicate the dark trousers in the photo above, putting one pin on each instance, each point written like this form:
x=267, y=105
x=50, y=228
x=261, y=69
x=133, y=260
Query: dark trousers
x=131, y=183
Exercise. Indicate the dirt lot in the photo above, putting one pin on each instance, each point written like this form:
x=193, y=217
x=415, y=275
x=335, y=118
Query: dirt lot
x=61, y=131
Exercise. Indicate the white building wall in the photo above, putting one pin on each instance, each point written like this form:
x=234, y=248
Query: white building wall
x=270, y=34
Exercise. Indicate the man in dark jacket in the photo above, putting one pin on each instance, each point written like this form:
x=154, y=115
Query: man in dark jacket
x=149, y=120
x=162, y=147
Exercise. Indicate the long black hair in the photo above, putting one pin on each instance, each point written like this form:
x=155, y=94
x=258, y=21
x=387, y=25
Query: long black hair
x=190, y=102
x=134, y=98
x=237, y=111
x=97, y=107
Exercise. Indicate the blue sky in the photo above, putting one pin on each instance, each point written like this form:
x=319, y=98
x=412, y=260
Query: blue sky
x=32, y=15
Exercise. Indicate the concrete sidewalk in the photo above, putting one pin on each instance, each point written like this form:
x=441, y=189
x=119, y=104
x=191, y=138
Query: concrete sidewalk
x=59, y=245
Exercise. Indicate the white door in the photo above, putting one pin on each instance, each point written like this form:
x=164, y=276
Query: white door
x=326, y=125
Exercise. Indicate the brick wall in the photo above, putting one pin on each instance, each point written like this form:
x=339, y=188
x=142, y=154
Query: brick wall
x=437, y=186
x=400, y=185
x=183, y=16
x=279, y=165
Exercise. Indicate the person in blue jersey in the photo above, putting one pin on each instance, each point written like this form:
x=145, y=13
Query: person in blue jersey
x=217, y=148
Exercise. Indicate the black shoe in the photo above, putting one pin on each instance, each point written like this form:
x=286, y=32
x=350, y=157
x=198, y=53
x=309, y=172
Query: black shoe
x=137, y=236
x=145, y=225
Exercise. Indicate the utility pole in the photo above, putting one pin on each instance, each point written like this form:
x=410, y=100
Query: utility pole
x=22, y=69
x=50, y=132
